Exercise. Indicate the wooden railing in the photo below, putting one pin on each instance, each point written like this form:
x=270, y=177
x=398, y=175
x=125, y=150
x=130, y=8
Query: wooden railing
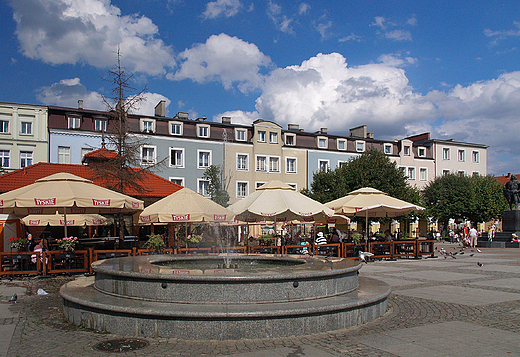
x=79, y=261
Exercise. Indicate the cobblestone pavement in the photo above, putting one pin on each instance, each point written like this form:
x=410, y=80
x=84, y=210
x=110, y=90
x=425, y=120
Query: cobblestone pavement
x=438, y=307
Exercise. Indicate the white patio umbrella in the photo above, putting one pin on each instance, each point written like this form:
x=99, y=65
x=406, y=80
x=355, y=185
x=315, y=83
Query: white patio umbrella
x=185, y=205
x=89, y=219
x=278, y=202
x=66, y=193
x=369, y=202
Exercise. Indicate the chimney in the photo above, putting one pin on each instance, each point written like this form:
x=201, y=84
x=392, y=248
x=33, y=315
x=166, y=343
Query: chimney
x=359, y=131
x=160, y=109
x=323, y=130
x=226, y=120
x=293, y=127
x=80, y=104
x=182, y=115
x=370, y=135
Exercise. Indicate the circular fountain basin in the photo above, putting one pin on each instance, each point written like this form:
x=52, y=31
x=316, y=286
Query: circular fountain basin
x=193, y=297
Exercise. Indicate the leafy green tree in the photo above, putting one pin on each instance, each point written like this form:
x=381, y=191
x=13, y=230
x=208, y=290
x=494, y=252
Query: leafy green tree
x=326, y=186
x=216, y=187
x=475, y=198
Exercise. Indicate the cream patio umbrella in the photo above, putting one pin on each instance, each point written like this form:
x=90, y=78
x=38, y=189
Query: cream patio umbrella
x=89, y=219
x=66, y=193
x=369, y=202
x=279, y=202
x=187, y=206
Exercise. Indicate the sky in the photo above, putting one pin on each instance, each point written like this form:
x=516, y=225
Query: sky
x=450, y=68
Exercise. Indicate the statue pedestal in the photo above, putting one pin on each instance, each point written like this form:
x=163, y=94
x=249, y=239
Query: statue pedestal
x=511, y=221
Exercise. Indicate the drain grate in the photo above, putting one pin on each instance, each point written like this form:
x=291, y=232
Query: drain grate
x=121, y=345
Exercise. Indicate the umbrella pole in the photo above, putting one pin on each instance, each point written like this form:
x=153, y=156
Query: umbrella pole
x=366, y=236
x=65, y=220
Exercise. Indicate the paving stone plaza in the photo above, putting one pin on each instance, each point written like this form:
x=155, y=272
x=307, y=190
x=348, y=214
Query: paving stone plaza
x=438, y=307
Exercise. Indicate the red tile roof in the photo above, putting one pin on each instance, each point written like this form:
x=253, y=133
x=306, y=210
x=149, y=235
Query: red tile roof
x=156, y=186
x=101, y=154
x=503, y=179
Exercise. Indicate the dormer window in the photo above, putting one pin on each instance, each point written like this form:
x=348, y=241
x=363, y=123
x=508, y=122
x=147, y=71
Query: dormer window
x=388, y=149
x=74, y=122
x=342, y=144
x=322, y=142
x=203, y=130
x=406, y=150
x=100, y=125
x=290, y=139
x=421, y=152
x=261, y=136
x=360, y=146
x=240, y=134
x=147, y=126
x=175, y=128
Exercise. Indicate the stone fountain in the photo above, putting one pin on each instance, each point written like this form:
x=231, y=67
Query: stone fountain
x=189, y=297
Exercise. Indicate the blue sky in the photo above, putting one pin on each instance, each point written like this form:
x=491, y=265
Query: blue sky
x=450, y=68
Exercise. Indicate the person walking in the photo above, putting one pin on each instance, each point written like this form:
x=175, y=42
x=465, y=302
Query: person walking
x=473, y=237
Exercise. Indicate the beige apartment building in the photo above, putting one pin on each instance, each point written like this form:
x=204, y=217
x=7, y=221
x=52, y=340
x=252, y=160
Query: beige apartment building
x=23, y=135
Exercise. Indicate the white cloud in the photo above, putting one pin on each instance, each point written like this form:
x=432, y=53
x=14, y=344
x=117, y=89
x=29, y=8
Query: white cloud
x=282, y=22
x=412, y=21
x=237, y=117
x=226, y=8
x=351, y=37
x=89, y=31
x=225, y=59
x=67, y=92
x=399, y=35
x=303, y=8
x=323, y=28
x=396, y=60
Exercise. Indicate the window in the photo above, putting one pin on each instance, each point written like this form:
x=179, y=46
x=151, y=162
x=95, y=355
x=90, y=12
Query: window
x=341, y=163
x=406, y=150
x=410, y=173
x=290, y=139
x=445, y=172
x=177, y=180
x=204, y=159
x=322, y=142
x=85, y=151
x=175, y=128
x=63, y=155
x=202, y=131
x=259, y=183
x=421, y=152
x=293, y=185
x=5, y=158
x=388, y=149
x=242, y=189
x=273, y=138
x=26, y=159
x=74, y=123
x=461, y=172
x=274, y=164
x=147, y=126
x=242, y=162
x=461, y=155
x=423, y=174
x=323, y=165
x=240, y=134
x=360, y=146
x=290, y=165
x=475, y=157
x=342, y=144
x=100, y=125
x=202, y=187
x=176, y=157
x=261, y=163
x=4, y=126
x=26, y=128
x=261, y=136
x=148, y=155
x=445, y=153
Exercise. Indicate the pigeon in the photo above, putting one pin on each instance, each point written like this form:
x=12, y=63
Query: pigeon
x=480, y=264
x=461, y=253
x=478, y=250
x=364, y=255
x=13, y=298
x=471, y=255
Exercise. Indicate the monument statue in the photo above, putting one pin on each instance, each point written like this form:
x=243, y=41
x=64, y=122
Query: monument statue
x=512, y=192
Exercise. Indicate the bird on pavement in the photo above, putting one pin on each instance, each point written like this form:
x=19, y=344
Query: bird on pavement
x=364, y=255
x=480, y=264
x=478, y=250
x=13, y=298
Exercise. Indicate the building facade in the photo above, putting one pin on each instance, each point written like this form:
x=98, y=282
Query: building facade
x=23, y=135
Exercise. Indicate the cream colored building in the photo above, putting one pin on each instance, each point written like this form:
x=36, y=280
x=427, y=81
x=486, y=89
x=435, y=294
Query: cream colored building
x=23, y=135
x=416, y=161
x=262, y=153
